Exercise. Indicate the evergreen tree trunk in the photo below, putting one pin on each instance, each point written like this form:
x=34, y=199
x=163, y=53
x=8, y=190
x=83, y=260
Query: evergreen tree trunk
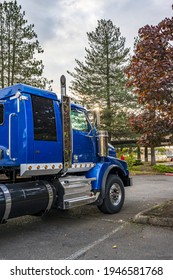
x=153, y=158
x=138, y=153
x=9, y=52
x=108, y=89
x=2, y=50
x=146, y=154
x=14, y=54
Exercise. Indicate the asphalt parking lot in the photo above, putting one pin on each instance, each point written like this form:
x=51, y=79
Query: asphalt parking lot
x=85, y=233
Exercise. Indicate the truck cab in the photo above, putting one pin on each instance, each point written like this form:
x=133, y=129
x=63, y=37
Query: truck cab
x=50, y=152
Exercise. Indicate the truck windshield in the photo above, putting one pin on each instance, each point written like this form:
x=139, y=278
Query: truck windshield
x=79, y=121
x=1, y=114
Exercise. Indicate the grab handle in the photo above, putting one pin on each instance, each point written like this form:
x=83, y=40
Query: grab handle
x=9, y=136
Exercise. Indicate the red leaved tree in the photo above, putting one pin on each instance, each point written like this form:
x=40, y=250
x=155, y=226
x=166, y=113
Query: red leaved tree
x=150, y=74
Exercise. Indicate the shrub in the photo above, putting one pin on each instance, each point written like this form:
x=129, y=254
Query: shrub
x=163, y=168
x=130, y=160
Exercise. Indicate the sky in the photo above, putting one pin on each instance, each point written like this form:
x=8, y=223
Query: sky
x=61, y=26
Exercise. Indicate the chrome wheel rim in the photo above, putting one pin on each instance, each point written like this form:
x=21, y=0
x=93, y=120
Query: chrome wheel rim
x=115, y=194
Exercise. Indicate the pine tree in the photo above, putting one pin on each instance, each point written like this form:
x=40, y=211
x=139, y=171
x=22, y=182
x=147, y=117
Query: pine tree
x=18, y=45
x=101, y=80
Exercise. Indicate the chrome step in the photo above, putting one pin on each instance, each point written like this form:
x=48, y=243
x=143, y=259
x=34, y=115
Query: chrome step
x=76, y=179
x=79, y=201
x=77, y=191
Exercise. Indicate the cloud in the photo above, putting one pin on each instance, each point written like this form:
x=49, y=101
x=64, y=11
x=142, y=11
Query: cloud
x=41, y=14
x=61, y=26
x=130, y=15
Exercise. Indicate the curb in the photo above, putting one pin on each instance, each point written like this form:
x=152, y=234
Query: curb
x=143, y=218
x=168, y=174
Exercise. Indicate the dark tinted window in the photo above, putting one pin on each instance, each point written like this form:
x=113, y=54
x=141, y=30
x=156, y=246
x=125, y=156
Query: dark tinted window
x=1, y=114
x=44, y=119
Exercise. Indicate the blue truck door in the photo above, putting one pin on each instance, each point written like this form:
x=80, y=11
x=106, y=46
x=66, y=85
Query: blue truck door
x=47, y=142
x=13, y=128
x=9, y=133
x=84, y=149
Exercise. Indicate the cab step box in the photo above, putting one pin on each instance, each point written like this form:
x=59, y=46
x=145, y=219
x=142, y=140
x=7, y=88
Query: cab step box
x=77, y=191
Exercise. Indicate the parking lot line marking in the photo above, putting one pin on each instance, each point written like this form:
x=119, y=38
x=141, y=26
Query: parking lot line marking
x=83, y=250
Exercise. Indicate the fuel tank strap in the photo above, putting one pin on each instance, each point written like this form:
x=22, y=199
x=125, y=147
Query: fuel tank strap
x=51, y=196
x=8, y=202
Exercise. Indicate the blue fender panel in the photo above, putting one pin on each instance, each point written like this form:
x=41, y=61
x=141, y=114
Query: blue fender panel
x=98, y=172
x=101, y=171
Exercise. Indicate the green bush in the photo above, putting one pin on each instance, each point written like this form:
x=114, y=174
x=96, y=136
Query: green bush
x=163, y=168
x=130, y=160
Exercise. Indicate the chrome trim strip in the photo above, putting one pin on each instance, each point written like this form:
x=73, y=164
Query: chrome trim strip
x=32, y=169
x=80, y=167
x=8, y=202
x=51, y=196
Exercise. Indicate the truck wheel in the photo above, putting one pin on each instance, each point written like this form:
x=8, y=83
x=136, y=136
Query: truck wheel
x=114, y=195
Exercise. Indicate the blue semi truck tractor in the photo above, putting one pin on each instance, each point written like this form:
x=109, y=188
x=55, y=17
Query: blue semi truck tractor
x=51, y=156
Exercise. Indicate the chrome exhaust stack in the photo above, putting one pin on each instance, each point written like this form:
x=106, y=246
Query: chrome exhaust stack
x=102, y=140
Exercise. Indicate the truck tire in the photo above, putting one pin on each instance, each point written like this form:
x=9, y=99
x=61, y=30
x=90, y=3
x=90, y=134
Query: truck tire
x=114, y=195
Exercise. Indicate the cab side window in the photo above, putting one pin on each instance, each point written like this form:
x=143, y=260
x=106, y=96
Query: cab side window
x=1, y=114
x=44, y=119
x=79, y=121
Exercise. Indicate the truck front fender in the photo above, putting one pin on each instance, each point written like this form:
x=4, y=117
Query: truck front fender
x=101, y=172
